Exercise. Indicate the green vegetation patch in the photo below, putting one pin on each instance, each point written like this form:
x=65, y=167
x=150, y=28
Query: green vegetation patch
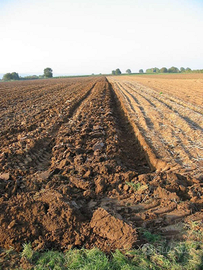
x=157, y=253
x=180, y=256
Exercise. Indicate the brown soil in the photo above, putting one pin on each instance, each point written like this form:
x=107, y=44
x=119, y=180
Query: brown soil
x=168, y=127
x=186, y=87
x=74, y=174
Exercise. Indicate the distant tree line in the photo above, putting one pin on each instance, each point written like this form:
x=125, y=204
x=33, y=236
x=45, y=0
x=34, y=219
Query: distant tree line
x=173, y=70
x=161, y=70
x=48, y=73
x=32, y=77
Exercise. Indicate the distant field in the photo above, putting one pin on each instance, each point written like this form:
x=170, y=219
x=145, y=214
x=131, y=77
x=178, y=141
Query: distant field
x=188, y=87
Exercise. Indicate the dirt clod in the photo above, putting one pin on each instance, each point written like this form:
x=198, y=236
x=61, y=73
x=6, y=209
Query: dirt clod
x=118, y=233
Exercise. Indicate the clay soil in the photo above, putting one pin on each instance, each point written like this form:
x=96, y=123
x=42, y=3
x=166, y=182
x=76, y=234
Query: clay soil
x=74, y=174
x=166, y=113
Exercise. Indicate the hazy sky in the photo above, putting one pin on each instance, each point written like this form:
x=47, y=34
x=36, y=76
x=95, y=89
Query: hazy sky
x=97, y=36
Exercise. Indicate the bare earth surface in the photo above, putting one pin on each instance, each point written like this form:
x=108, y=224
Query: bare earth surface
x=172, y=127
x=73, y=173
x=186, y=87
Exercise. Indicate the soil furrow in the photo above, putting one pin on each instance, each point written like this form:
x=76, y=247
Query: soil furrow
x=158, y=121
x=172, y=132
x=189, y=117
x=31, y=156
x=91, y=183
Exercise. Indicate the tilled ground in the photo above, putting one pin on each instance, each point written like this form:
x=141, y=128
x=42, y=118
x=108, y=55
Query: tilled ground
x=31, y=115
x=87, y=182
x=186, y=87
x=172, y=128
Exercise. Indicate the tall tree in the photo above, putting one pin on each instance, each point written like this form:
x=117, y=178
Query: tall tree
x=48, y=73
x=163, y=70
x=15, y=76
x=173, y=70
x=128, y=71
x=118, y=72
x=141, y=71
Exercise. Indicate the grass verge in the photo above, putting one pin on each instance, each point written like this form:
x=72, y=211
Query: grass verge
x=157, y=254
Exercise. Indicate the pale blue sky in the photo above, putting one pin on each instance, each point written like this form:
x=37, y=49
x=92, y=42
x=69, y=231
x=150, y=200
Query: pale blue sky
x=84, y=37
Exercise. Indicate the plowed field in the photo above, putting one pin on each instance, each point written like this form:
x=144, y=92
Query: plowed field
x=186, y=87
x=75, y=171
x=171, y=127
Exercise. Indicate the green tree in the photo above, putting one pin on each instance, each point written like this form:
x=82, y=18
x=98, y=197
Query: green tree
x=128, y=71
x=113, y=72
x=156, y=70
x=141, y=71
x=7, y=77
x=153, y=70
x=188, y=69
x=163, y=70
x=11, y=76
x=15, y=76
x=182, y=69
x=173, y=70
x=118, y=72
x=48, y=73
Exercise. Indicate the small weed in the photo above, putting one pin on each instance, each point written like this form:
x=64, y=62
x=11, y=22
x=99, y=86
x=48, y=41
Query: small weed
x=27, y=251
x=134, y=186
x=137, y=186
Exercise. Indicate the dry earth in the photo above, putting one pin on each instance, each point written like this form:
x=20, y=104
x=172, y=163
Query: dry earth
x=186, y=87
x=73, y=173
x=170, y=126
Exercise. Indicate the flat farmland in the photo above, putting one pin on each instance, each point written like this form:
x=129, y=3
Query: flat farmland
x=79, y=167
x=167, y=111
x=186, y=87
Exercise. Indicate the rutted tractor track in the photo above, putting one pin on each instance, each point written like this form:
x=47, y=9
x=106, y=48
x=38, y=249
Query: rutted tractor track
x=33, y=150
x=98, y=189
